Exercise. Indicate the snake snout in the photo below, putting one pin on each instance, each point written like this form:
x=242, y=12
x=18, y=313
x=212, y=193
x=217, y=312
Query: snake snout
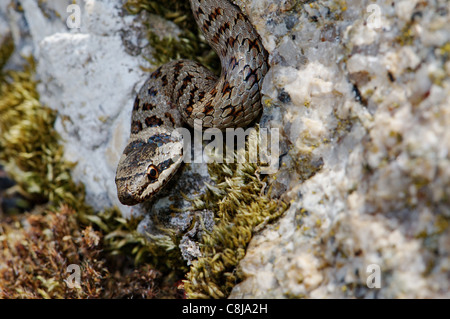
x=127, y=199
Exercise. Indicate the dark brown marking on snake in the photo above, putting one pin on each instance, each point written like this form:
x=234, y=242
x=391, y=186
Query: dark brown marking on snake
x=250, y=73
x=201, y=95
x=200, y=11
x=186, y=81
x=233, y=62
x=231, y=41
x=156, y=74
x=136, y=103
x=189, y=110
x=206, y=25
x=178, y=66
x=252, y=44
x=236, y=114
x=227, y=110
x=177, y=69
x=170, y=117
x=136, y=127
x=152, y=91
x=216, y=38
x=192, y=95
x=153, y=121
x=213, y=91
x=239, y=16
x=164, y=80
x=227, y=89
x=224, y=27
x=209, y=108
x=213, y=15
x=148, y=106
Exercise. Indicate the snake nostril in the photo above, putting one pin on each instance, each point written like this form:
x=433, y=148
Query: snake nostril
x=127, y=199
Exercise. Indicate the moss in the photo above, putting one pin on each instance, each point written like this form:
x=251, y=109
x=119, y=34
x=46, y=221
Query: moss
x=241, y=206
x=36, y=258
x=190, y=44
x=444, y=51
x=6, y=49
x=306, y=164
x=29, y=148
x=406, y=36
x=122, y=238
x=37, y=249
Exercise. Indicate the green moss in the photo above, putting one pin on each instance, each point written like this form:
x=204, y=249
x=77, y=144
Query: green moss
x=6, y=49
x=35, y=257
x=241, y=206
x=122, y=238
x=406, y=36
x=444, y=51
x=29, y=147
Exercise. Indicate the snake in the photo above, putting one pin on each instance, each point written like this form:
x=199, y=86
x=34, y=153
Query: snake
x=183, y=91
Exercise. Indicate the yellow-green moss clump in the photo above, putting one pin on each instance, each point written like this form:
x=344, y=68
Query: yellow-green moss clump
x=29, y=147
x=241, y=205
x=122, y=238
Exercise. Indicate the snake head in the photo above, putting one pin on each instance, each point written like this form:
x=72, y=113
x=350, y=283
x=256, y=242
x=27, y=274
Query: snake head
x=146, y=165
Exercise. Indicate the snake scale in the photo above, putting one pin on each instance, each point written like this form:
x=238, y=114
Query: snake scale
x=182, y=91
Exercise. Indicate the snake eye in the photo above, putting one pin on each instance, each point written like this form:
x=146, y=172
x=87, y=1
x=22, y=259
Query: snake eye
x=152, y=172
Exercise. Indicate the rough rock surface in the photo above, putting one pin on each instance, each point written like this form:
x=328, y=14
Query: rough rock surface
x=360, y=92
x=370, y=101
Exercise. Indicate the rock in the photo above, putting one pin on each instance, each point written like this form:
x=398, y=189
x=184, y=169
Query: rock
x=373, y=104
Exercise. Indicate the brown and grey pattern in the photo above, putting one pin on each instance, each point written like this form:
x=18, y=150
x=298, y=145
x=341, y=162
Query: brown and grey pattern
x=183, y=91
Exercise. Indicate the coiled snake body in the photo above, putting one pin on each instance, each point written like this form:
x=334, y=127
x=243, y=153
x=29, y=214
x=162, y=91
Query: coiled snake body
x=182, y=91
